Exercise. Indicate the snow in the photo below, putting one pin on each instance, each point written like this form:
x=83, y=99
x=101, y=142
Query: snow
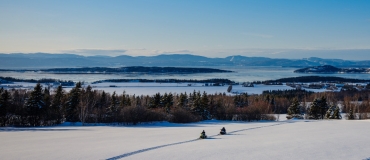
x=153, y=88
x=139, y=88
x=293, y=139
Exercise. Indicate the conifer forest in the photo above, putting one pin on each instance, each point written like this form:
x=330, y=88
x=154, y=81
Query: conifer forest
x=45, y=107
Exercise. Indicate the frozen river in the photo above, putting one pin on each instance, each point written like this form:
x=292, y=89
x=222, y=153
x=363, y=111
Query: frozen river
x=240, y=74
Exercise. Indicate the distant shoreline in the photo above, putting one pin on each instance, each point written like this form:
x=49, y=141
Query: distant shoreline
x=300, y=79
x=132, y=69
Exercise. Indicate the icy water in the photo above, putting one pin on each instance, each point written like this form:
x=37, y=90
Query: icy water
x=240, y=74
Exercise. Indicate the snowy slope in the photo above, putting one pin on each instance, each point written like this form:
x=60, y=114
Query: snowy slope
x=300, y=139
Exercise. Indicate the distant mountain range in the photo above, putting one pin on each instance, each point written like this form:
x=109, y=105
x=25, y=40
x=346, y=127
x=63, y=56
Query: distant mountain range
x=45, y=60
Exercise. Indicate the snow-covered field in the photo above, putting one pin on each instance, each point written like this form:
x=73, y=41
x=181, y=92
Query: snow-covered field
x=294, y=139
x=153, y=88
x=138, y=88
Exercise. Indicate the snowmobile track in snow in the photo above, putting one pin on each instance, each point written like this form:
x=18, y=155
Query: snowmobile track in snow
x=177, y=143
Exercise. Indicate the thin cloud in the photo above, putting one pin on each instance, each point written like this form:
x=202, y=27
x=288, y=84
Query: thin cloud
x=92, y=52
x=258, y=35
x=178, y=51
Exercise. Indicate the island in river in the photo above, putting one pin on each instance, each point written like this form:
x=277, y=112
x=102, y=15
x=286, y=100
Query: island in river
x=331, y=69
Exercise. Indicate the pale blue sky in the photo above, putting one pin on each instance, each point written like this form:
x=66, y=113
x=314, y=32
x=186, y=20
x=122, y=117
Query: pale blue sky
x=213, y=28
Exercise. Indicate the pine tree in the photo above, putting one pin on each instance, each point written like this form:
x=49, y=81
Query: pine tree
x=204, y=105
x=72, y=103
x=323, y=105
x=4, y=107
x=196, y=104
x=101, y=107
x=57, y=105
x=46, y=111
x=200, y=105
x=294, y=110
x=155, y=101
x=167, y=102
x=318, y=108
x=336, y=113
x=181, y=101
x=329, y=113
x=34, y=105
x=113, y=110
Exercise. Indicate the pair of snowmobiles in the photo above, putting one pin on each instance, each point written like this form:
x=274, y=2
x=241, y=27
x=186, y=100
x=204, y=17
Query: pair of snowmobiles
x=204, y=136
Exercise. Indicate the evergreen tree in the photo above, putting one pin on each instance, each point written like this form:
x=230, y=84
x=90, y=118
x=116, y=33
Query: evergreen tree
x=314, y=110
x=18, y=108
x=323, y=106
x=294, y=110
x=56, y=108
x=167, y=101
x=196, y=104
x=47, y=97
x=333, y=113
x=113, y=110
x=182, y=100
x=72, y=103
x=351, y=116
x=200, y=105
x=317, y=108
x=34, y=106
x=101, y=107
x=204, y=105
x=155, y=101
x=46, y=111
x=5, y=105
x=336, y=113
x=329, y=113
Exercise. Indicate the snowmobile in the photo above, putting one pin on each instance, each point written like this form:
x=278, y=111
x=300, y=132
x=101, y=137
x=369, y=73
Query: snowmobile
x=203, y=135
x=223, y=131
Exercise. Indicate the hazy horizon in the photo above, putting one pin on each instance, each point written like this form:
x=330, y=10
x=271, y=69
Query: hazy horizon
x=360, y=55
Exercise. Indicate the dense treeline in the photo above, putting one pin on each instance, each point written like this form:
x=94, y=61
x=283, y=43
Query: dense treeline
x=132, y=69
x=44, y=80
x=45, y=107
x=220, y=81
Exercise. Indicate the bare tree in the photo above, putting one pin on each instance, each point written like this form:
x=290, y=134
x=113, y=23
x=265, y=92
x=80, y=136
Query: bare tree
x=87, y=101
